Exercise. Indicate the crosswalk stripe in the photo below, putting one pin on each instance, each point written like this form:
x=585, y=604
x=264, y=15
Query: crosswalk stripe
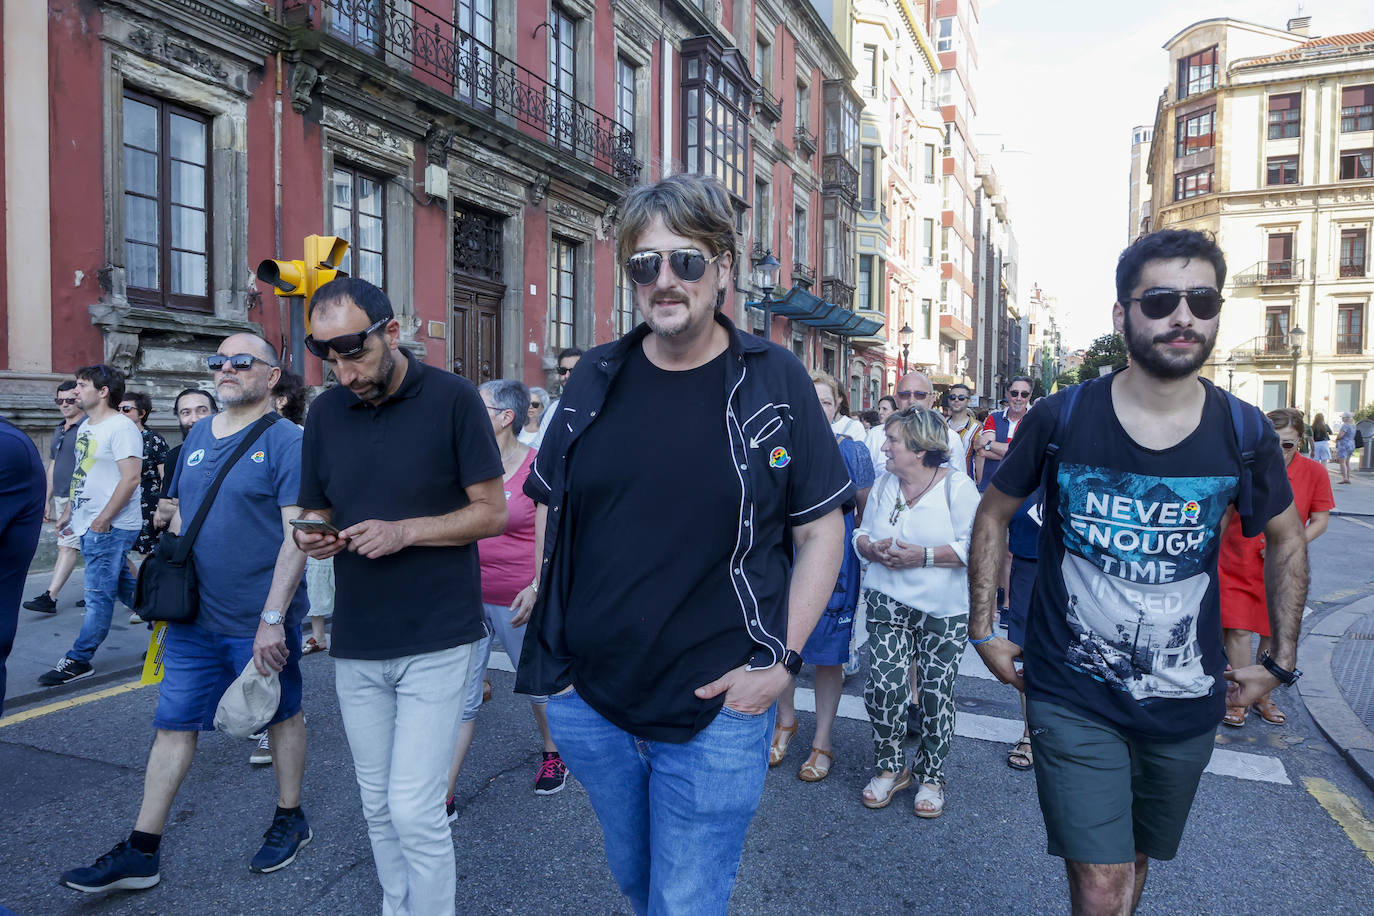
x=1000, y=730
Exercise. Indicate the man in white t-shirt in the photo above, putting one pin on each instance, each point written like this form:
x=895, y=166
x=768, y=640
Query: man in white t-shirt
x=104, y=512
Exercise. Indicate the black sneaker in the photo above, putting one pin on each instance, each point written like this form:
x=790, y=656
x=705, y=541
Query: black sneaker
x=68, y=669
x=552, y=774
x=122, y=868
x=287, y=836
x=43, y=604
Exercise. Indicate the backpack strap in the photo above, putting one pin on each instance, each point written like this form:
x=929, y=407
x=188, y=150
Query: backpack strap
x=1245, y=423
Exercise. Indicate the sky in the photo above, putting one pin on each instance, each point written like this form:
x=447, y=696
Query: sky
x=1059, y=87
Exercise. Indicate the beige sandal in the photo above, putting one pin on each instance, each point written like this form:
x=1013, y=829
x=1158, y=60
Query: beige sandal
x=932, y=794
x=815, y=769
x=882, y=788
x=782, y=736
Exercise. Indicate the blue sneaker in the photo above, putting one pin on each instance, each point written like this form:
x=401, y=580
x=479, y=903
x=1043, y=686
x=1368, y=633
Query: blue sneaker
x=122, y=868
x=287, y=836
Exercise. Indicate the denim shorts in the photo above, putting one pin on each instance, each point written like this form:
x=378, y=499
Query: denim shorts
x=828, y=643
x=199, y=665
x=1105, y=795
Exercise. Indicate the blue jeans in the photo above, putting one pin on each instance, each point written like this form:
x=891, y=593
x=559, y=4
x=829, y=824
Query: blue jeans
x=107, y=578
x=673, y=816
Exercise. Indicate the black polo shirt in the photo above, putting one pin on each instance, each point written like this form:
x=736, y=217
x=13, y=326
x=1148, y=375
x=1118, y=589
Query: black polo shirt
x=411, y=456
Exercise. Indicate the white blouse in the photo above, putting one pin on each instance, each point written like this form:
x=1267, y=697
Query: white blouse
x=943, y=516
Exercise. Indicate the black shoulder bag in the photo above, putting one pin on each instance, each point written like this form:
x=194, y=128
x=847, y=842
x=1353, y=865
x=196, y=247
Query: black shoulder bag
x=167, y=588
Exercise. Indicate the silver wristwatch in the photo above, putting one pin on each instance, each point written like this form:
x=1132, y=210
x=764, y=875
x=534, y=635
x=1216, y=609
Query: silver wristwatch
x=272, y=618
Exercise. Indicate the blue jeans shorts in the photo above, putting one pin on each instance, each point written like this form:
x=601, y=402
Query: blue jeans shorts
x=199, y=665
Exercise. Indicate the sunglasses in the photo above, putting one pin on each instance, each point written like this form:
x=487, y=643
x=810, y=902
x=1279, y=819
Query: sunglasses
x=688, y=263
x=957, y=397
x=907, y=395
x=129, y=408
x=1289, y=446
x=564, y=370
x=1204, y=302
x=345, y=344
x=61, y=402
x=239, y=362
x=535, y=405
x=1018, y=394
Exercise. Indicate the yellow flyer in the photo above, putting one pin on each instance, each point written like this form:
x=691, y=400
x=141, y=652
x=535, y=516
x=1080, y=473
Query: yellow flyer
x=152, y=662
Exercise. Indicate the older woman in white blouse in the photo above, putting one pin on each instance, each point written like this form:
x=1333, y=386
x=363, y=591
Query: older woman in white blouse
x=915, y=535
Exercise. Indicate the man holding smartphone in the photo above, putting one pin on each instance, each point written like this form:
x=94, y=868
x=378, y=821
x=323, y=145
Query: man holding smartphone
x=251, y=606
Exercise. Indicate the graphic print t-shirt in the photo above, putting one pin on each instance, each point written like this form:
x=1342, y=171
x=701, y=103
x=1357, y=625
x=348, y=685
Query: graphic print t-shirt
x=99, y=449
x=1125, y=622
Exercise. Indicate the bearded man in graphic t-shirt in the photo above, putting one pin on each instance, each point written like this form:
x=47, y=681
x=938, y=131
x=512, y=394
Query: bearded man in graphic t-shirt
x=1125, y=669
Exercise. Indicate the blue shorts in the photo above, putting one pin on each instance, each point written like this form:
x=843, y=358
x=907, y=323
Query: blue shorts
x=828, y=643
x=199, y=665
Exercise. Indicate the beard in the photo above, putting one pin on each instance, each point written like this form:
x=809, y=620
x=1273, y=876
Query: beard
x=378, y=384
x=243, y=392
x=1147, y=353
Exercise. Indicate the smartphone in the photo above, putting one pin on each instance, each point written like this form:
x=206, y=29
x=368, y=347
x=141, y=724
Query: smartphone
x=314, y=526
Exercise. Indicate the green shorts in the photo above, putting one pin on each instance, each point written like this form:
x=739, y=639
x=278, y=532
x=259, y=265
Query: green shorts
x=1106, y=796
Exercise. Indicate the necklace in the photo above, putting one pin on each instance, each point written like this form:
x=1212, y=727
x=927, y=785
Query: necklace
x=900, y=506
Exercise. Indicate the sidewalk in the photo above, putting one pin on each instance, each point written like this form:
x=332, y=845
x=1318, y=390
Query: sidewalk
x=1337, y=655
x=44, y=638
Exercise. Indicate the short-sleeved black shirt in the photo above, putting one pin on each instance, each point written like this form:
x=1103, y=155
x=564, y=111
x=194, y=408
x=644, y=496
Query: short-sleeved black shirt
x=411, y=456
x=1125, y=621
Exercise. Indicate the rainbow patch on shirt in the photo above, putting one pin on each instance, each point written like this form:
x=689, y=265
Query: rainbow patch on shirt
x=1190, y=511
x=258, y=456
x=778, y=458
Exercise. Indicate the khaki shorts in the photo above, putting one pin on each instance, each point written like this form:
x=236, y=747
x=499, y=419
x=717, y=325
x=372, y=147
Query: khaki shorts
x=59, y=505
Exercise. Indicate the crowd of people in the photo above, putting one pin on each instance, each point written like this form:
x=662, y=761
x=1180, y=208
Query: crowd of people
x=662, y=548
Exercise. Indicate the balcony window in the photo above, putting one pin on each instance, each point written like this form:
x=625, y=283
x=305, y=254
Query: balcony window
x=945, y=41
x=562, y=298
x=868, y=71
x=1357, y=108
x=1197, y=73
x=803, y=105
x=1281, y=170
x=1350, y=328
x=715, y=112
x=864, y=292
x=763, y=62
x=763, y=216
x=1192, y=184
x=1353, y=252
x=929, y=170
x=1196, y=132
x=563, y=74
x=1276, y=328
x=166, y=204
x=868, y=179
x=360, y=217
x=624, y=305
x=928, y=242
x=1356, y=165
x=801, y=244
x=624, y=93
x=359, y=23
x=1280, y=263
x=926, y=319
x=475, y=39
x=841, y=123
x=1285, y=116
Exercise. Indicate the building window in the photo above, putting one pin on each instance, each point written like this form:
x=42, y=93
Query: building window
x=1353, y=252
x=715, y=108
x=828, y=360
x=1197, y=73
x=562, y=301
x=929, y=169
x=359, y=218
x=475, y=39
x=928, y=242
x=1347, y=396
x=1357, y=108
x=1275, y=395
x=1196, y=133
x=801, y=243
x=763, y=62
x=359, y=24
x=868, y=178
x=1276, y=329
x=863, y=294
x=624, y=306
x=803, y=105
x=841, y=123
x=166, y=204
x=868, y=71
x=763, y=215
x=927, y=307
x=624, y=93
x=1356, y=164
x=1350, y=328
x=1192, y=184
x=1285, y=116
x=1281, y=170
x=562, y=74
x=1280, y=264
x=945, y=39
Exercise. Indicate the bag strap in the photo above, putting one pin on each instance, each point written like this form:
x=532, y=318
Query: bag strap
x=1246, y=427
x=187, y=540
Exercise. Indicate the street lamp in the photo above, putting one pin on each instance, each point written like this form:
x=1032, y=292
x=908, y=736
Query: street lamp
x=1295, y=339
x=1230, y=372
x=904, y=338
x=764, y=276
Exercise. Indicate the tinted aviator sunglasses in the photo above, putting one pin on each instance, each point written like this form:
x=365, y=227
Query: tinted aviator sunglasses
x=1204, y=302
x=689, y=264
x=344, y=344
x=240, y=362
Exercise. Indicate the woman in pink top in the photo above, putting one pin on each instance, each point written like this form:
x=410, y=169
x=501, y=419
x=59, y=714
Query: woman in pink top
x=509, y=580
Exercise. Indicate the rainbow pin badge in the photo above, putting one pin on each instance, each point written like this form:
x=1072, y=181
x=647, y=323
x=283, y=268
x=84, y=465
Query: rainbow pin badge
x=258, y=456
x=778, y=458
x=1190, y=511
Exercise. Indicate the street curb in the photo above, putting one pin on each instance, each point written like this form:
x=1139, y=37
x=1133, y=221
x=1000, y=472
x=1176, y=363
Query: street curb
x=1322, y=695
x=61, y=692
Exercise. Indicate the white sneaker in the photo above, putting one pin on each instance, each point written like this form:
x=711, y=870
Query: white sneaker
x=262, y=754
x=134, y=618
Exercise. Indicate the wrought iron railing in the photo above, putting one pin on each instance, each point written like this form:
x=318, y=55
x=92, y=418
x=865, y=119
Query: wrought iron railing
x=1352, y=268
x=803, y=274
x=1349, y=344
x=769, y=104
x=1289, y=270
x=475, y=74
x=1264, y=348
x=804, y=140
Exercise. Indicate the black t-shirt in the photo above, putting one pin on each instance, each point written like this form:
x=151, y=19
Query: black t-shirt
x=1125, y=622
x=652, y=502
x=411, y=456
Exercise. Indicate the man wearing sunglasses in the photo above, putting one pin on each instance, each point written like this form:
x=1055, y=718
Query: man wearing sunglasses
x=1124, y=665
x=999, y=429
x=401, y=459
x=567, y=361
x=248, y=574
x=914, y=390
x=962, y=421
x=688, y=461
x=61, y=463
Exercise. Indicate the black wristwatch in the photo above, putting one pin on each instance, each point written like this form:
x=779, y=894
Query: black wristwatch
x=1286, y=678
x=792, y=661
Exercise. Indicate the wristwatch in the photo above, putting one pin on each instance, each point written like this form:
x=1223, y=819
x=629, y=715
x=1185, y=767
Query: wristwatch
x=792, y=661
x=1286, y=678
x=987, y=446
x=272, y=618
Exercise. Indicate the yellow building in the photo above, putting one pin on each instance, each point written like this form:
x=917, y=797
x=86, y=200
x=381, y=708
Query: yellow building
x=1265, y=138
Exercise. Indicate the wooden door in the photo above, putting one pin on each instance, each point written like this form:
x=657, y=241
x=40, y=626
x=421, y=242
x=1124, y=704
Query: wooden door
x=477, y=328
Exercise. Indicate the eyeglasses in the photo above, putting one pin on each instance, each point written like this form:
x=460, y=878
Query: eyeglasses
x=62, y=402
x=344, y=345
x=689, y=264
x=239, y=362
x=1018, y=394
x=957, y=397
x=1204, y=302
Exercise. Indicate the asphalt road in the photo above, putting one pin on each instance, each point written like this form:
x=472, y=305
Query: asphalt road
x=1293, y=831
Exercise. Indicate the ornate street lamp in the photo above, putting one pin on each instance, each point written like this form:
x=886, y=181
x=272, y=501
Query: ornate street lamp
x=1230, y=372
x=904, y=338
x=1295, y=339
x=764, y=277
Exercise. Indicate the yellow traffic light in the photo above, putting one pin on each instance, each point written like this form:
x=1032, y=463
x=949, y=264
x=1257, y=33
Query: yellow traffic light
x=303, y=278
x=286, y=277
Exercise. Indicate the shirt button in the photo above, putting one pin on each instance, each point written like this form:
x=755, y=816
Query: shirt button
x=593, y=413
x=753, y=623
x=737, y=571
x=746, y=523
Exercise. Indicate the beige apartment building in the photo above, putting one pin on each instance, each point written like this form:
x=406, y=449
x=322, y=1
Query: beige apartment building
x=1265, y=137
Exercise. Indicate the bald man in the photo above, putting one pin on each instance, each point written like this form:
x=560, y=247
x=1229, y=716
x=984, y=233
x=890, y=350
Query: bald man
x=914, y=390
x=251, y=605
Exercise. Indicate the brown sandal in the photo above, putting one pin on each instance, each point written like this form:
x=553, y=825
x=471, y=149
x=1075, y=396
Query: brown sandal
x=782, y=736
x=1269, y=711
x=813, y=770
x=1235, y=716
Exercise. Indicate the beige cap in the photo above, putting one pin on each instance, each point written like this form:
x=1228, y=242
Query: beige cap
x=249, y=703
